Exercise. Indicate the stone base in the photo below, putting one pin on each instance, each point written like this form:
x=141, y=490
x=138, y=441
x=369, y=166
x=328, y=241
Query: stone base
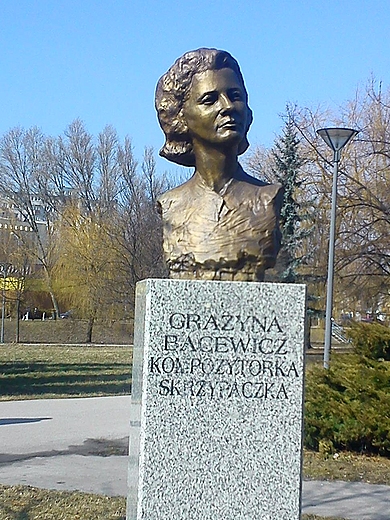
x=217, y=401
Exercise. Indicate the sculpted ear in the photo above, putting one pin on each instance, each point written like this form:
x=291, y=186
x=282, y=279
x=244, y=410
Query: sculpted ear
x=180, y=124
x=244, y=145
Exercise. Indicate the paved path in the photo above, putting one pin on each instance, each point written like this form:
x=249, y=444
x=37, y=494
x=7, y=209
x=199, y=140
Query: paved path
x=68, y=444
x=55, y=424
x=352, y=500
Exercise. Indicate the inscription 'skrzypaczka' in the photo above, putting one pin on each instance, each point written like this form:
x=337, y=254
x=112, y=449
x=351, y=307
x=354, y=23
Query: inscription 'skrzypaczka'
x=220, y=382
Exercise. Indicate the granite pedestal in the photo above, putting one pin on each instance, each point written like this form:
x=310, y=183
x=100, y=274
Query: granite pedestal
x=217, y=401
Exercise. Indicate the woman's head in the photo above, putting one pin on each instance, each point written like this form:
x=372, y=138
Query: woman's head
x=173, y=90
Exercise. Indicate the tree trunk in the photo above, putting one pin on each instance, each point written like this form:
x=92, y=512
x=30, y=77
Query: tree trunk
x=53, y=298
x=89, y=329
x=17, y=334
x=55, y=305
x=308, y=332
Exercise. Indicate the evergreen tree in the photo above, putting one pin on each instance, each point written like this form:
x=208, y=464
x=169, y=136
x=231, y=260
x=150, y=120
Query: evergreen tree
x=287, y=163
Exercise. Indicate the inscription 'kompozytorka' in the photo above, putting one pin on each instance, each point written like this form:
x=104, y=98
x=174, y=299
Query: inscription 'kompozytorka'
x=212, y=366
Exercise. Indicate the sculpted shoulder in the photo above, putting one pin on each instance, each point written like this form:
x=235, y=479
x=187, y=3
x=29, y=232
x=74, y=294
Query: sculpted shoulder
x=246, y=188
x=249, y=184
x=268, y=191
x=179, y=195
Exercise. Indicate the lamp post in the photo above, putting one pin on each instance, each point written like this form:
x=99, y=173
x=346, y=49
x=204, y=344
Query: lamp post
x=4, y=266
x=336, y=139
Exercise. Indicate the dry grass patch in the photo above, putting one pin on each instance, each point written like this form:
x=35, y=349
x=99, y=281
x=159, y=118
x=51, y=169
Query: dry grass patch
x=29, y=503
x=346, y=466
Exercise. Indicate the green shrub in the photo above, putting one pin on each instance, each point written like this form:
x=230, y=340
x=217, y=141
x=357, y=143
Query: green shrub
x=371, y=340
x=348, y=406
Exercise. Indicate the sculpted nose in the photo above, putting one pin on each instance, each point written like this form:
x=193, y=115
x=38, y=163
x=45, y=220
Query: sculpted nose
x=226, y=103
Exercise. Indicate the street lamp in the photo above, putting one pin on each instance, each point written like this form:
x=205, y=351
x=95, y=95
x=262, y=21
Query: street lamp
x=335, y=138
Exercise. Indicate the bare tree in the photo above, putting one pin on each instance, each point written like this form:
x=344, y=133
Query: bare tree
x=110, y=237
x=363, y=220
x=108, y=171
x=140, y=231
x=92, y=213
x=21, y=169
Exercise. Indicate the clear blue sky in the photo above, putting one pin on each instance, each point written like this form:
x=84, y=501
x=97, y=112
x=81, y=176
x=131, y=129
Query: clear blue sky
x=99, y=60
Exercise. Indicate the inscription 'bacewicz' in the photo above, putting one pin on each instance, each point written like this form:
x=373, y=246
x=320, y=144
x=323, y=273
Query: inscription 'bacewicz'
x=224, y=344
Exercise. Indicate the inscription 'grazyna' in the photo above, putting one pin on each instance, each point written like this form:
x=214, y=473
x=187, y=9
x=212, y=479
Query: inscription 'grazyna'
x=225, y=322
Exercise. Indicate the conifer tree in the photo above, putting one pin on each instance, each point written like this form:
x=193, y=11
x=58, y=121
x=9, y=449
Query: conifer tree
x=286, y=169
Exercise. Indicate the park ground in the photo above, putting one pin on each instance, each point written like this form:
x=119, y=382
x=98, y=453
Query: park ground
x=34, y=371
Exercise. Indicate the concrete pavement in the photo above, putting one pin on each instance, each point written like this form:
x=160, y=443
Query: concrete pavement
x=352, y=500
x=66, y=444
x=79, y=444
x=54, y=424
x=91, y=474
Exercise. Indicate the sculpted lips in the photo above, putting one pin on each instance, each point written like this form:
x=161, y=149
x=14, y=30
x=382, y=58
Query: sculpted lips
x=231, y=124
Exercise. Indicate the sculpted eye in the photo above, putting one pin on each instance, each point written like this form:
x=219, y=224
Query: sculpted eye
x=236, y=95
x=209, y=98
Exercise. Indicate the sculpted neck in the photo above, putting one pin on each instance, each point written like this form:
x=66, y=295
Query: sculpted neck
x=216, y=167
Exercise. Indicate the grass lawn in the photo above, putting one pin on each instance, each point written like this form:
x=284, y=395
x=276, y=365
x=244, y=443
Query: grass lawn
x=29, y=503
x=47, y=371
x=346, y=466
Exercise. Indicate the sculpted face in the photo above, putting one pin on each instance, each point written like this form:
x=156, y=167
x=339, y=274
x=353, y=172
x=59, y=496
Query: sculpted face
x=216, y=110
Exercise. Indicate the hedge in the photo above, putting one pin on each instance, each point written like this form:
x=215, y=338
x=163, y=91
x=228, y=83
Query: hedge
x=348, y=406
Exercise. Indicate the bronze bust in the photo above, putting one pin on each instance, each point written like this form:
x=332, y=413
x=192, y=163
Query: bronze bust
x=222, y=224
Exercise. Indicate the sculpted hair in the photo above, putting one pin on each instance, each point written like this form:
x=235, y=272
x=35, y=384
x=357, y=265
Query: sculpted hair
x=171, y=93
